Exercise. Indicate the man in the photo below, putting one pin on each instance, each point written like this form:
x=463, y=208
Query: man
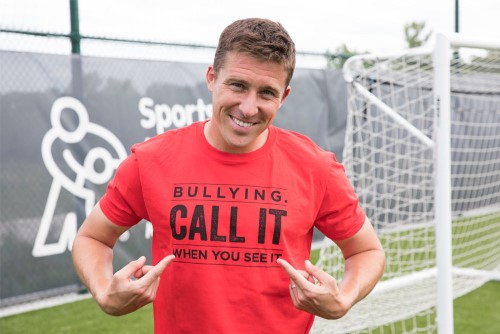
x=236, y=200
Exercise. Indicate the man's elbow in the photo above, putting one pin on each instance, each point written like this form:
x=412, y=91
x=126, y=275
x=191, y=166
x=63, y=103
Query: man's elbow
x=381, y=260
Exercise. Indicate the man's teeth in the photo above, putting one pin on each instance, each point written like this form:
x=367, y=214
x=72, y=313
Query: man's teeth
x=241, y=123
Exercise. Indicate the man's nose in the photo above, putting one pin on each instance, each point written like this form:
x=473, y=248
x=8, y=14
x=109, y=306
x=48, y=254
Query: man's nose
x=249, y=105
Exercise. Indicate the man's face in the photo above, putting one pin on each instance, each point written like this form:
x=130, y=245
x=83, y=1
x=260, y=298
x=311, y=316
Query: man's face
x=247, y=94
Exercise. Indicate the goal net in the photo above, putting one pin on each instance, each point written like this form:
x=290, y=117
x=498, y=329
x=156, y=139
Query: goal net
x=391, y=156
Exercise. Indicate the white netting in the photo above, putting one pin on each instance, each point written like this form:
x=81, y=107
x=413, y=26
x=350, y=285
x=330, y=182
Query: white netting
x=393, y=173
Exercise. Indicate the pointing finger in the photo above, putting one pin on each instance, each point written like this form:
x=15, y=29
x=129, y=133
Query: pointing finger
x=295, y=275
x=287, y=266
x=157, y=270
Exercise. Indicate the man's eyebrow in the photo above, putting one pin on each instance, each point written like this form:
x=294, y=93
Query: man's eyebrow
x=234, y=79
x=246, y=83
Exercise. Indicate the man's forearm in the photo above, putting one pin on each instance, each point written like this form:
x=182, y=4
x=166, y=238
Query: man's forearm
x=362, y=272
x=93, y=262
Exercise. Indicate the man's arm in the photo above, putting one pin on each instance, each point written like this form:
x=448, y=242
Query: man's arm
x=118, y=293
x=364, y=266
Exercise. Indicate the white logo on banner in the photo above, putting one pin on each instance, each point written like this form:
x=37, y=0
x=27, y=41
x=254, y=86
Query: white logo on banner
x=85, y=172
x=162, y=116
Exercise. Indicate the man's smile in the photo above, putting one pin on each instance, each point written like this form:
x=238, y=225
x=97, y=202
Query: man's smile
x=240, y=122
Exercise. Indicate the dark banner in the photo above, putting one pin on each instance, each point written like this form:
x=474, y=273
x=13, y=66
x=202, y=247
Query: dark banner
x=66, y=123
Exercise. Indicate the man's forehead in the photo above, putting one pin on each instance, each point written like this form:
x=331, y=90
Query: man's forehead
x=240, y=64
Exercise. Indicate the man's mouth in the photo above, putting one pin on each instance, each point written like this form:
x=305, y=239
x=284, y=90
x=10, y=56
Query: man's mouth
x=241, y=123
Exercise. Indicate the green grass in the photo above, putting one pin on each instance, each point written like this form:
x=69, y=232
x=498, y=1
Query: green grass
x=475, y=241
x=477, y=312
x=78, y=317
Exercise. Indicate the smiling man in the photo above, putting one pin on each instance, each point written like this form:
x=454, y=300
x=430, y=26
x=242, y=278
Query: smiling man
x=232, y=240
x=247, y=93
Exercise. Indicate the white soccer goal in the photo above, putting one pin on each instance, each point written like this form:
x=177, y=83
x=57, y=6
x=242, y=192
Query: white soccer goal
x=422, y=150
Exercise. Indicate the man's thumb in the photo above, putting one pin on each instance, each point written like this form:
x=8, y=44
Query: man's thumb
x=133, y=266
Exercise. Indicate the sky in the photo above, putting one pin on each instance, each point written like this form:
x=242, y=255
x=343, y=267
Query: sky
x=316, y=26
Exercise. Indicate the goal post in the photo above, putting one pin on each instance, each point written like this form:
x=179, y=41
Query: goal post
x=422, y=150
x=442, y=179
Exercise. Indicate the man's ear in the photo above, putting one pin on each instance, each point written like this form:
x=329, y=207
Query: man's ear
x=210, y=77
x=285, y=94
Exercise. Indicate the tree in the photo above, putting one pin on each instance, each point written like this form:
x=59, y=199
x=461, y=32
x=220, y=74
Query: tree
x=337, y=59
x=413, y=34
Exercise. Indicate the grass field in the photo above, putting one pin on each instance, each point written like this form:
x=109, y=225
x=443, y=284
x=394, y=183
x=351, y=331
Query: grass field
x=477, y=312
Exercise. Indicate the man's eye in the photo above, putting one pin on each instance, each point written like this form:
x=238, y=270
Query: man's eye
x=237, y=85
x=268, y=93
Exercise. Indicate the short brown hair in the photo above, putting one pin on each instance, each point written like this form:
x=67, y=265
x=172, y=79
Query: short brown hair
x=260, y=38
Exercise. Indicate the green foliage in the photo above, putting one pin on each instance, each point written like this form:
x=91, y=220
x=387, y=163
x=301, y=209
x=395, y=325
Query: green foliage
x=413, y=34
x=488, y=63
x=337, y=59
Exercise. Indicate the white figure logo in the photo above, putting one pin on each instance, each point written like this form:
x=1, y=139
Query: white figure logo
x=83, y=172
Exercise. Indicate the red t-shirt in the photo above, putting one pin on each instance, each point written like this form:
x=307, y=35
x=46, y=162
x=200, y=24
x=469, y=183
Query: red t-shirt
x=228, y=218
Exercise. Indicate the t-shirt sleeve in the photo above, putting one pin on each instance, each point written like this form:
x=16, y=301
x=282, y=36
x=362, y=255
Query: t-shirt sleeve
x=123, y=201
x=339, y=216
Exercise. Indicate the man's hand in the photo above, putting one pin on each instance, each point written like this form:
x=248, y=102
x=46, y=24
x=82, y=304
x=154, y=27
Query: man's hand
x=132, y=287
x=320, y=295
